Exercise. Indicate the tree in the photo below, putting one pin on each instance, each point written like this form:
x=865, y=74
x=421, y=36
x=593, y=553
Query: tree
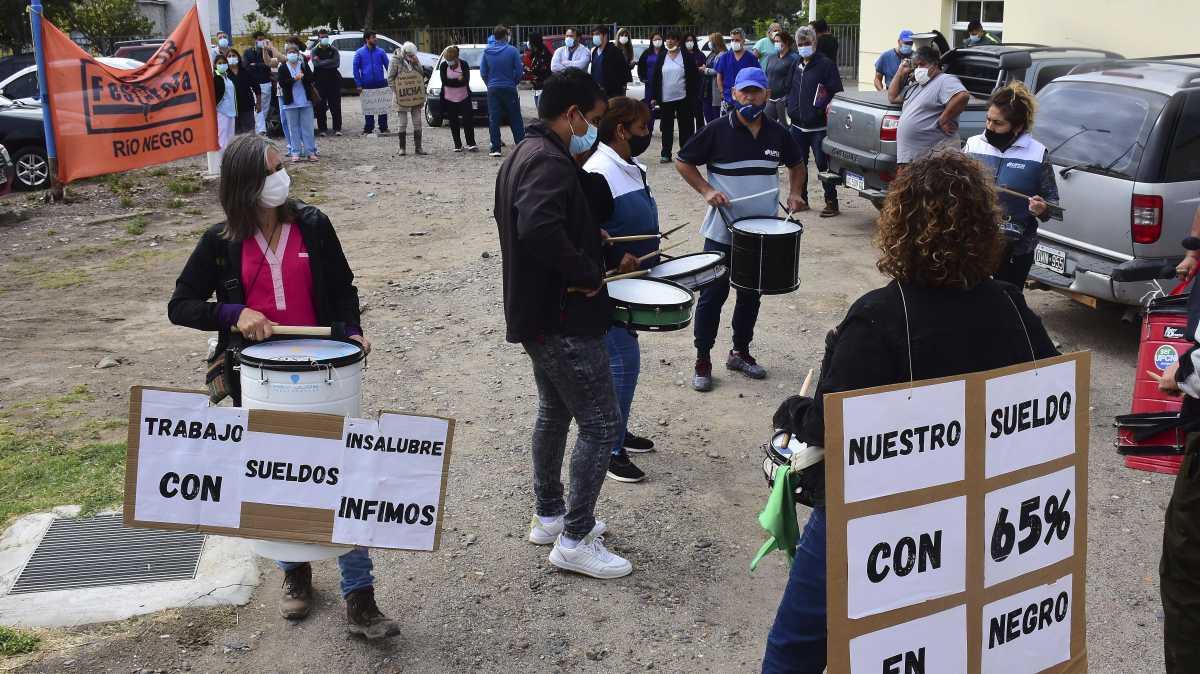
x=15, y=35
x=104, y=22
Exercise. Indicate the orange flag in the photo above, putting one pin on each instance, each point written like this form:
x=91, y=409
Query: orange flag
x=108, y=120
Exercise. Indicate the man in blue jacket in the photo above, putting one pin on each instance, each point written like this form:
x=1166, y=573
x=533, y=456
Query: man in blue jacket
x=370, y=72
x=501, y=68
x=815, y=80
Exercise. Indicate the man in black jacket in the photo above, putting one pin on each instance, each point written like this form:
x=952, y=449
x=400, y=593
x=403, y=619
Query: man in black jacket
x=815, y=80
x=260, y=61
x=609, y=68
x=556, y=307
x=325, y=62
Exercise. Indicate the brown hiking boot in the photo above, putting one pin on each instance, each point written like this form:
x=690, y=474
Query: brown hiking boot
x=297, y=593
x=831, y=209
x=364, y=617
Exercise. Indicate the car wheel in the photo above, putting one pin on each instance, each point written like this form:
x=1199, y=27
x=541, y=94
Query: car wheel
x=430, y=118
x=32, y=168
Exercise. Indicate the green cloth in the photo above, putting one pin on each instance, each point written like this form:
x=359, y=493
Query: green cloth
x=779, y=518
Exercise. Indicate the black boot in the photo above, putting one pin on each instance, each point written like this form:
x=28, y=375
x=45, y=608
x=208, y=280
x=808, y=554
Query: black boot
x=297, y=593
x=417, y=142
x=364, y=617
x=403, y=136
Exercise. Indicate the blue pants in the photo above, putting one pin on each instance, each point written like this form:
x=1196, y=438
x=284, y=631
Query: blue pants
x=625, y=359
x=287, y=134
x=813, y=140
x=708, y=311
x=796, y=644
x=369, y=124
x=355, y=566
x=504, y=103
x=301, y=139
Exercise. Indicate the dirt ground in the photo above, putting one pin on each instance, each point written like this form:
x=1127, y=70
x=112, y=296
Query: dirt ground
x=419, y=234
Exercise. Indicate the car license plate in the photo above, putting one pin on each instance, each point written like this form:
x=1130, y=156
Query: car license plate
x=1051, y=258
x=855, y=181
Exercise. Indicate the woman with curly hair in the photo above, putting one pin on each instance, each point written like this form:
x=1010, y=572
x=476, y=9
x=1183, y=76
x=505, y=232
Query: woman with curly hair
x=941, y=315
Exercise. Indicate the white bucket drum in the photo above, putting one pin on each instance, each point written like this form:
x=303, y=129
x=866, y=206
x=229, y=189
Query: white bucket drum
x=302, y=375
x=694, y=271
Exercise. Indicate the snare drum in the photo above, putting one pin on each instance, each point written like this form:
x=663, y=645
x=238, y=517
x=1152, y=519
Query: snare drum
x=657, y=305
x=765, y=255
x=693, y=271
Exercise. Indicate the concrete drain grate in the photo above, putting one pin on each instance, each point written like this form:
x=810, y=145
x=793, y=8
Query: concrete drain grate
x=99, y=551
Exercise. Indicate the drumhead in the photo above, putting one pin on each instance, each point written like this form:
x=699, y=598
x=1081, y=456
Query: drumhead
x=686, y=264
x=301, y=354
x=767, y=226
x=643, y=291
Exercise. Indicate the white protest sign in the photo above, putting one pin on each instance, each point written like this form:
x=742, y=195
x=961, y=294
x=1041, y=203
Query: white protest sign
x=1029, y=525
x=903, y=440
x=935, y=644
x=1031, y=418
x=292, y=470
x=376, y=101
x=906, y=556
x=393, y=478
x=1029, y=631
x=190, y=454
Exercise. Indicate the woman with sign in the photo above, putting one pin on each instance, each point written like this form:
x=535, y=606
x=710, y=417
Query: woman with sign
x=274, y=261
x=408, y=83
x=941, y=315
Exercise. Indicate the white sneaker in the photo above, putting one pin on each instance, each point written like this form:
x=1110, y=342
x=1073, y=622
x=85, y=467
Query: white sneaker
x=590, y=558
x=544, y=534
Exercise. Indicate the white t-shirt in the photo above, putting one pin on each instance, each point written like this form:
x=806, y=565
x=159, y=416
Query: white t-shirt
x=674, y=83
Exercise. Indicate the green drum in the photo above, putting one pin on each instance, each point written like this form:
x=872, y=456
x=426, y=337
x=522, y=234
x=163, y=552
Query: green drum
x=650, y=304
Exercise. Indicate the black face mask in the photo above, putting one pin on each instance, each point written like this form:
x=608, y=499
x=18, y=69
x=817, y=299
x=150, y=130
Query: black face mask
x=1000, y=141
x=638, y=144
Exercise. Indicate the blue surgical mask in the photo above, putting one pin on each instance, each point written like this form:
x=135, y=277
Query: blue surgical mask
x=749, y=111
x=906, y=49
x=806, y=51
x=596, y=40
x=973, y=40
x=324, y=42
x=292, y=57
x=223, y=43
x=222, y=68
x=581, y=144
x=570, y=42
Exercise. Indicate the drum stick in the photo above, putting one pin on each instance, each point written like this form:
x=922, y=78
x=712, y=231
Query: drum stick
x=297, y=330
x=667, y=234
x=807, y=381
x=649, y=255
x=635, y=237
x=1053, y=209
x=618, y=277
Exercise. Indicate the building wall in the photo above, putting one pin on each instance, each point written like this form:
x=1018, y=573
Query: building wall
x=1146, y=28
x=238, y=9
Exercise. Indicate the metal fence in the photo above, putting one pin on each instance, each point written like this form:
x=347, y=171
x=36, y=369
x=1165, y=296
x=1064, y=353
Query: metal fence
x=434, y=39
x=847, y=55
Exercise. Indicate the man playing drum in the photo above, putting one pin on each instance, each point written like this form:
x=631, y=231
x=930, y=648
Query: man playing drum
x=743, y=151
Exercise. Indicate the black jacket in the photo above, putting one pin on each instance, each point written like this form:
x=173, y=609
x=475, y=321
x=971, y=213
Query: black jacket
x=549, y=241
x=464, y=81
x=256, y=65
x=643, y=63
x=615, y=70
x=215, y=267
x=286, y=81
x=953, y=332
x=820, y=75
x=691, y=76
x=246, y=88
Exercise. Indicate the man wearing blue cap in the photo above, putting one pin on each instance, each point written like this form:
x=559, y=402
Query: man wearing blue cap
x=743, y=151
x=889, y=61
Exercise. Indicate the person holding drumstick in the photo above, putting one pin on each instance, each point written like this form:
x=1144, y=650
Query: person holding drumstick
x=940, y=242
x=624, y=134
x=275, y=261
x=1009, y=152
x=743, y=151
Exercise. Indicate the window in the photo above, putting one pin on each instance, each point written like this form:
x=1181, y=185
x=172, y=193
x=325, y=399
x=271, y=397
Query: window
x=25, y=86
x=1183, y=162
x=988, y=12
x=348, y=43
x=1098, y=126
x=387, y=45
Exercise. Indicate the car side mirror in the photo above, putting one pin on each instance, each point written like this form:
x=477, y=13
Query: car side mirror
x=1017, y=60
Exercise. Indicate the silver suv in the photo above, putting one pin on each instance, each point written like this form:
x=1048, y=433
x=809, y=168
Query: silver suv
x=1124, y=139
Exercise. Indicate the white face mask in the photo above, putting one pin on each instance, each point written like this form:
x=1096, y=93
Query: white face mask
x=656, y=43
x=737, y=45
x=275, y=189
x=921, y=75
x=689, y=44
x=624, y=39
x=233, y=60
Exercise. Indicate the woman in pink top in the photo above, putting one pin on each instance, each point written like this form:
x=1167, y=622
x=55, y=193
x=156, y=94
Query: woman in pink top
x=456, y=97
x=276, y=261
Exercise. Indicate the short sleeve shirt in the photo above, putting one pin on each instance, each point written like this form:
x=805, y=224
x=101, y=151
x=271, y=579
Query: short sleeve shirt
x=765, y=47
x=923, y=104
x=729, y=67
x=887, y=64
x=743, y=167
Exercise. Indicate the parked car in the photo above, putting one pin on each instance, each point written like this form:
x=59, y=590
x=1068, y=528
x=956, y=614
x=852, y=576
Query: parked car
x=1124, y=139
x=861, y=141
x=472, y=54
x=348, y=42
x=22, y=136
x=22, y=86
x=11, y=64
x=138, y=50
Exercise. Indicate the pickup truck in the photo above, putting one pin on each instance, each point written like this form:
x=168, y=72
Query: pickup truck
x=861, y=140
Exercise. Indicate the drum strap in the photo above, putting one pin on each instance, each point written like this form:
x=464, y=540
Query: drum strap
x=1032, y=354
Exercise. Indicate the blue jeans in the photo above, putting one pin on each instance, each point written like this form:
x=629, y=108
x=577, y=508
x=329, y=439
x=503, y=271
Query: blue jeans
x=369, y=123
x=708, y=311
x=625, y=359
x=355, y=566
x=287, y=134
x=504, y=103
x=300, y=123
x=796, y=644
x=813, y=140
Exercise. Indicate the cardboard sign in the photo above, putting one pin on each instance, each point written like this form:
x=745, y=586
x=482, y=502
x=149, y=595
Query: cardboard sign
x=973, y=560
x=376, y=101
x=108, y=120
x=410, y=89
x=312, y=478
